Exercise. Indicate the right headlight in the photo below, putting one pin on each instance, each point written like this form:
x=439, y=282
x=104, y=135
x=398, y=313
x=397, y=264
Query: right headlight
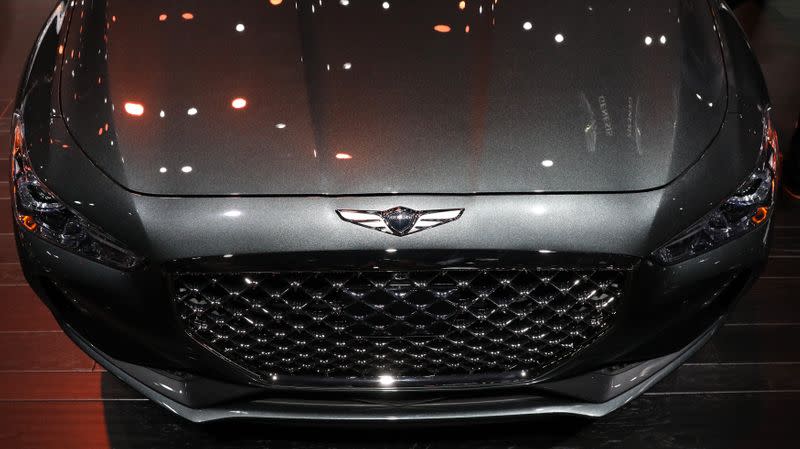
x=747, y=209
x=40, y=211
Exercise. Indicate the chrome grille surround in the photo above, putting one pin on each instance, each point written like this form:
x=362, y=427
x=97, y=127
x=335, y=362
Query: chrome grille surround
x=440, y=326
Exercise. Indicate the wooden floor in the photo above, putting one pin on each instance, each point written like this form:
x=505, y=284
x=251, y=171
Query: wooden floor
x=742, y=390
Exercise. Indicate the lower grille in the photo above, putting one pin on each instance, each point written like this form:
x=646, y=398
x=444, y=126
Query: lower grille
x=404, y=324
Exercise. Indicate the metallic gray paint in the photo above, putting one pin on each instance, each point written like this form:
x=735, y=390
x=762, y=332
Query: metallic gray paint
x=411, y=110
x=127, y=314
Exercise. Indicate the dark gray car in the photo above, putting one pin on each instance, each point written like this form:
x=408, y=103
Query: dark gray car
x=397, y=210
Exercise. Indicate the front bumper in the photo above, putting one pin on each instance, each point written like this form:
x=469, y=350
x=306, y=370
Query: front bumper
x=172, y=393
x=126, y=321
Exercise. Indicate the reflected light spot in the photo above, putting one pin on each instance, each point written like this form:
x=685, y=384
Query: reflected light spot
x=344, y=2
x=227, y=256
x=547, y=163
x=275, y=2
x=347, y=66
x=648, y=40
x=233, y=213
x=162, y=170
x=391, y=250
x=134, y=109
x=240, y=27
x=546, y=251
x=162, y=18
x=559, y=38
x=466, y=29
x=462, y=4
x=527, y=26
x=162, y=114
x=761, y=214
x=238, y=103
x=28, y=222
x=385, y=5
x=186, y=169
x=663, y=39
x=187, y=16
x=442, y=28
x=280, y=125
x=343, y=156
x=386, y=380
x=192, y=111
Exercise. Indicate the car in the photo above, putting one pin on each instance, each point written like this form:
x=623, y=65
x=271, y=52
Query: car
x=416, y=211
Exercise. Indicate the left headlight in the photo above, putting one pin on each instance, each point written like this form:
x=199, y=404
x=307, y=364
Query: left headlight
x=747, y=209
x=40, y=211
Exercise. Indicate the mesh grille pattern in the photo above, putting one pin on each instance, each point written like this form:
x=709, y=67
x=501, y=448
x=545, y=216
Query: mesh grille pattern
x=408, y=324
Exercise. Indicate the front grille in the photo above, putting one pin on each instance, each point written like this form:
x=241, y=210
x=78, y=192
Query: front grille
x=406, y=324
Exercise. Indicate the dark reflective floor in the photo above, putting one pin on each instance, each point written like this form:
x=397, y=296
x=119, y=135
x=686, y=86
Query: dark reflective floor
x=740, y=391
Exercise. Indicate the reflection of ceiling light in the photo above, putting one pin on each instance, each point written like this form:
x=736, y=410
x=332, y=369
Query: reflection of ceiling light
x=344, y=2
x=240, y=27
x=280, y=125
x=648, y=40
x=527, y=26
x=347, y=66
x=162, y=170
x=186, y=169
x=162, y=18
x=275, y=2
x=662, y=39
x=162, y=114
x=187, y=16
x=559, y=38
x=442, y=28
x=134, y=109
x=386, y=380
x=343, y=156
x=239, y=103
x=192, y=111
x=391, y=250
x=462, y=4
x=547, y=163
x=233, y=213
x=385, y=5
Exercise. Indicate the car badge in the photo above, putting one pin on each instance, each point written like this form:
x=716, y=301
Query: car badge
x=399, y=220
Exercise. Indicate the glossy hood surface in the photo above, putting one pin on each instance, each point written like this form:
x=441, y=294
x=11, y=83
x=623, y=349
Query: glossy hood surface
x=270, y=97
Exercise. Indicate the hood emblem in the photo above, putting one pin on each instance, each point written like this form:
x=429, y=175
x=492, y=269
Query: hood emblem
x=399, y=220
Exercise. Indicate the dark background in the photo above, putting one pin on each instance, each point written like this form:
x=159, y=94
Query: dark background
x=741, y=391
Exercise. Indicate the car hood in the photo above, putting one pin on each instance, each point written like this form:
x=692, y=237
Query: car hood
x=371, y=97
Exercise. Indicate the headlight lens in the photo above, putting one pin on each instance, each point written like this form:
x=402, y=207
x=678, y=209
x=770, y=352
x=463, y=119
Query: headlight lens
x=39, y=210
x=747, y=209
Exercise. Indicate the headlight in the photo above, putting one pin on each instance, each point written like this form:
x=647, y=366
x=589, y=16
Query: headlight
x=39, y=210
x=747, y=209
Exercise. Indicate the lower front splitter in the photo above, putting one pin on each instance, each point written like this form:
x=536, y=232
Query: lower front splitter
x=160, y=389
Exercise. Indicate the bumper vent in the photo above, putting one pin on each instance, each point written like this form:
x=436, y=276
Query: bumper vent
x=410, y=325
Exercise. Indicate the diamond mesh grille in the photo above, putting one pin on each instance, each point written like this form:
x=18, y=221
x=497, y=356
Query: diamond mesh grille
x=408, y=324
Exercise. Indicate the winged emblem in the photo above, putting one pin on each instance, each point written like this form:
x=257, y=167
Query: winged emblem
x=399, y=220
